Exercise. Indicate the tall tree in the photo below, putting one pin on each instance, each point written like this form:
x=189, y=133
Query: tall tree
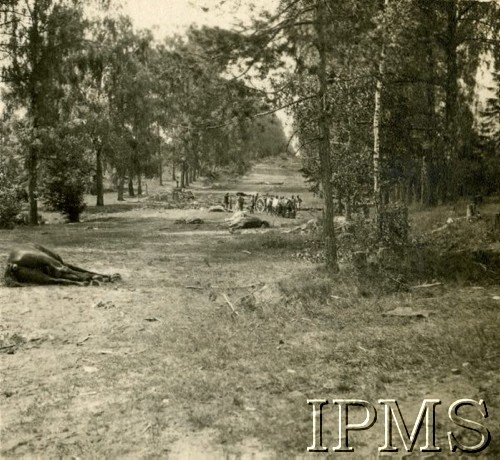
x=214, y=121
x=377, y=112
x=324, y=123
x=43, y=36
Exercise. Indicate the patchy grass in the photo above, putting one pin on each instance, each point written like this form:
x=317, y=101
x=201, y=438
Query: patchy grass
x=253, y=373
x=424, y=220
x=110, y=208
x=266, y=244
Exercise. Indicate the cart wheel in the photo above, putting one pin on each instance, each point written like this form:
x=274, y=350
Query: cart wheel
x=260, y=206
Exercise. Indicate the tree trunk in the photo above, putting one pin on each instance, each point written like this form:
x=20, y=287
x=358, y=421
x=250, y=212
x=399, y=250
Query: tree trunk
x=405, y=194
x=451, y=97
x=377, y=122
x=186, y=176
x=386, y=198
x=160, y=171
x=377, y=117
x=324, y=142
x=160, y=159
x=424, y=182
x=348, y=208
x=121, y=187
x=471, y=211
x=174, y=177
x=183, y=175
x=34, y=100
x=428, y=192
x=32, y=184
x=196, y=162
x=131, y=192
x=99, y=177
x=340, y=204
x=496, y=222
x=139, y=184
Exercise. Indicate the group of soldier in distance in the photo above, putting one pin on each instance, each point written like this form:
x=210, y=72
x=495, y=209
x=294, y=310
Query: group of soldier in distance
x=35, y=264
x=275, y=205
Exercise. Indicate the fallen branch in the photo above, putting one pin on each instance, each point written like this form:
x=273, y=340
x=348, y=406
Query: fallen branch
x=194, y=287
x=251, y=294
x=407, y=312
x=423, y=286
x=482, y=266
x=402, y=283
x=131, y=353
x=7, y=347
x=247, y=286
x=230, y=304
x=83, y=340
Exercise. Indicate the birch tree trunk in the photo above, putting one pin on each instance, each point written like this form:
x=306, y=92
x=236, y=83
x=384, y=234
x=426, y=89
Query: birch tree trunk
x=377, y=122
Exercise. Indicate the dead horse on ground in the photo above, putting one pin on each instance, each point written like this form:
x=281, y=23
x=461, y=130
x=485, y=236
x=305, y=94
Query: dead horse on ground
x=34, y=264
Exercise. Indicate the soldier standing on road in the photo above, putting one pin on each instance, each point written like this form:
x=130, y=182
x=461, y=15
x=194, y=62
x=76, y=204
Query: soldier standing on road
x=226, y=201
x=253, y=200
x=241, y=202
x=275, y=205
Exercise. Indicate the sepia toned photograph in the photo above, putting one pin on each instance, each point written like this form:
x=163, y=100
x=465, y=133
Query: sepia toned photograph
x=244, y=230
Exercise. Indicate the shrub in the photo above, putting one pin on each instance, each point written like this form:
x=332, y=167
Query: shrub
x=10, y=205
x=64, y=192
x=66, y=173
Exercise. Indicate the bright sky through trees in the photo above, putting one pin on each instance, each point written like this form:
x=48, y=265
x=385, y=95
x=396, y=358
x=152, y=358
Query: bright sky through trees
x=173, y=16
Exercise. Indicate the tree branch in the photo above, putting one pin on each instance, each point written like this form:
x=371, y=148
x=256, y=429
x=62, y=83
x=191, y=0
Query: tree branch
x=229, y=123
x=305, y=144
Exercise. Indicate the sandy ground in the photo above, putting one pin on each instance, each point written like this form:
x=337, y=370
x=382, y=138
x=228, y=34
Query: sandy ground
x=131, y=370
x=78, y=381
